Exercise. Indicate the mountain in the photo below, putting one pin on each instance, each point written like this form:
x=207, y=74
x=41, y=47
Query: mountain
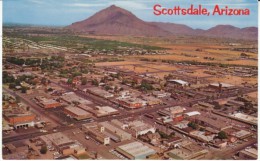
x=229, y=31
x=221, y=31
x=117, y=21
x=174, y=28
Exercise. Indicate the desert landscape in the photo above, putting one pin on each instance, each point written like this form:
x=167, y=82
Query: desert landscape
x=114, y=86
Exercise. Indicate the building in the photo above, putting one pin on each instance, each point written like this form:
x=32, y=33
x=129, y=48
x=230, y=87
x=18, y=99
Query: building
x=131, y=102
x=193, y=113
x=242, y=134
x=248, y=154
x=221, y=86
x=151, y=101
x=219, y=143
x=246, y=118
x=97, y=133
x=214, y=122
x=62, y=143
x=161, y=94
x=71, y=97
x=135, y=151
x=189, y=151
x=173, y=141
x=141, y=128
x=178, y=82
x=77, y=113
x=18, y=116
x=99, y=92
x=204, y=106
x=116, y=131
x=202, y=136
x=47, y=103
x=101, y=111
x=119, y=124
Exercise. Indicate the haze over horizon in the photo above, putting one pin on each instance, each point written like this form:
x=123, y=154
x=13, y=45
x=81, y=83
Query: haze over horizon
x=45, y=13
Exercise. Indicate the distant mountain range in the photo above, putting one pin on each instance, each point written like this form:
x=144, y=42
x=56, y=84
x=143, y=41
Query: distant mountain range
x=117, y=21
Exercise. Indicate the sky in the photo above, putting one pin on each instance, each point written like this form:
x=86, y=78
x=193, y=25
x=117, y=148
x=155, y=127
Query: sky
x=65, y=12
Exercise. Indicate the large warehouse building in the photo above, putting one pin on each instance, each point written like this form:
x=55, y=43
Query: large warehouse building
x=135, y=150
x=77, y=113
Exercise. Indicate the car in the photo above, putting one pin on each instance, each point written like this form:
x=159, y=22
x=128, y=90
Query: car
x=87, y=137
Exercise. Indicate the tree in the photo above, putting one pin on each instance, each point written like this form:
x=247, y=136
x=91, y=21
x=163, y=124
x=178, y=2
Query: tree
x=24, y=89
x=222, y=135
x=192, y=125
x=95, y=82
x=84, y=81
x=69, y=81
x=107, y=88
x=43, y=149
x=11, y=86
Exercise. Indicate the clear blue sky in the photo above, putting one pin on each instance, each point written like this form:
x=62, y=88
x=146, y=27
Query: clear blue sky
x=65, y=12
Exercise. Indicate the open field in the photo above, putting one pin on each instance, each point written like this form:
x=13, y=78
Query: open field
x=137, y=69
x=199, y=73
x=187, y=49
x=253, y=95
x=234, y=80
x=117, y=63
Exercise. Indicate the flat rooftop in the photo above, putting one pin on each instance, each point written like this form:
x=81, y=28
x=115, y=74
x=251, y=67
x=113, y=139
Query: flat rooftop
x=77, y=111
x=245, y=117
x=136, y=149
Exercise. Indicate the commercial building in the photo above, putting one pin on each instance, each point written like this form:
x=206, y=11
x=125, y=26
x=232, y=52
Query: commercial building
x=204, y=106
x=131, y=102
x=65, y=145
x=248, y=154
x=135, y=150
x=47, y=103
x=97, y=133
x=178, y=82
x=77, y=113
x=151, y=101
x=246, y=118
x=119, y=124
x=188, y=151
x=193, y=113
x=222, y=86
x=71, y=97
x=101, y=111
x=99, y=92
x=141, y=128
x=161, y=94
x=116, y=131
x=173, y=141
x=210, y=121
x=18, y=116
x=242, y=134
x=201, y=135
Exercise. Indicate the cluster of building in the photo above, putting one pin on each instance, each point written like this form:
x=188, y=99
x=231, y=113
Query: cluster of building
x=17, y=115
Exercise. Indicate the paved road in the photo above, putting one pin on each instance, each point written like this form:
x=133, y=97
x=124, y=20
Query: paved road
x=95, y=99
x=37, y=109
x=231, y=151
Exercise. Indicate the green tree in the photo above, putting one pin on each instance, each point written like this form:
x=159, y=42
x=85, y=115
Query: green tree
x=192, y=125
x=11, y=86
x=24, y=89
x=84, y=81
x=95, y=82
x=222, y=135
x=69, y=81
x=43, y=149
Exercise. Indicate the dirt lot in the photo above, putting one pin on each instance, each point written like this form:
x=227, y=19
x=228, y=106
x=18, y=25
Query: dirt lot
x=234, y=80
x=189, y=48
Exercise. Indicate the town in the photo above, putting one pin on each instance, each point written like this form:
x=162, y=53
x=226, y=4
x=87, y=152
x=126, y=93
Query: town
x=96, y=105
